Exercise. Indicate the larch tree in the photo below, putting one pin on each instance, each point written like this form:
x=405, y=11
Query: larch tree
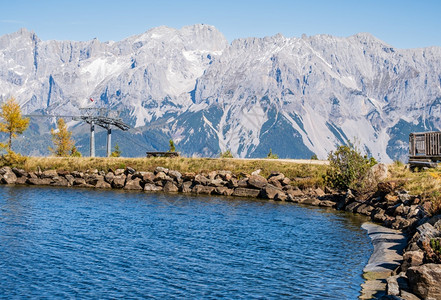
x=13, y=122
x=62, y=140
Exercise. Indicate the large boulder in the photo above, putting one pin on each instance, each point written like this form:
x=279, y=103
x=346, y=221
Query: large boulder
x=7, y=175
x=119, y=181
x=201, y=180
x=270, y=192
x=225, y=175
x=175, y=175
x=38, y=181
x=245, y=192
x=257, y=181
x=170, y=187
x=101, y=184
x=412, y=259
x=132, y=184
x=20, y=172
x=148, y=177
x=425, y=281
x=203, y=189
x=223, y=190
x=49, y=174
x=186, y=187
x=150, y=187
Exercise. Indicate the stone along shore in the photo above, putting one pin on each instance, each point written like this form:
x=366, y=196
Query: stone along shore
x=418, y=275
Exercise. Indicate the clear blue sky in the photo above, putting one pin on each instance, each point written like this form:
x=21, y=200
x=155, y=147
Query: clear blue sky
x=403, y=24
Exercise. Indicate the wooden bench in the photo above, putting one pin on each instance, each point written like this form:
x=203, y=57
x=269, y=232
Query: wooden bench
x=162, y=154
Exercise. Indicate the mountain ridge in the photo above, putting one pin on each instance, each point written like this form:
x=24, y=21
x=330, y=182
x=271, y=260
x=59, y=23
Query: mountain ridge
x=301, y=96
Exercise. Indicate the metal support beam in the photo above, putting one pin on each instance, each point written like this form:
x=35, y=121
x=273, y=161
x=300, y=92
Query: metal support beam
x=109, y=141
x=92, y=139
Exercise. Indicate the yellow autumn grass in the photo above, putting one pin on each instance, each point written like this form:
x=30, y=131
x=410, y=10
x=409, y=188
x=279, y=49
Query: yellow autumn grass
x=426, y=183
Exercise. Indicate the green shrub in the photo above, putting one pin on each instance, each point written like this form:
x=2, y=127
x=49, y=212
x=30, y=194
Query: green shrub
x=435, y=245
x=347, y=167
x=272, y=155
x=314, y=157
x=226, y=154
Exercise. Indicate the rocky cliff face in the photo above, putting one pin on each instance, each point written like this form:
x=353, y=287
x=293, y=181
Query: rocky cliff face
x=298, y=96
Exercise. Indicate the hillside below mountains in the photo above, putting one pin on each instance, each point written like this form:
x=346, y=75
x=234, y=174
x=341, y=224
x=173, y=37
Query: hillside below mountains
x=296, y=96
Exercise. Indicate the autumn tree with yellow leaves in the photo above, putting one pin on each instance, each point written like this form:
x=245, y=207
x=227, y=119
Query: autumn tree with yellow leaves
x=64, y=145
x=13, y=123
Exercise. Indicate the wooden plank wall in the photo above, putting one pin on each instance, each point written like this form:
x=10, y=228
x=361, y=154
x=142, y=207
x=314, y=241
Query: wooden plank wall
x=425, y=144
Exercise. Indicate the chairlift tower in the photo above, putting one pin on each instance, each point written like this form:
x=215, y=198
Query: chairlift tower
x=96, y=116
x=101, y=117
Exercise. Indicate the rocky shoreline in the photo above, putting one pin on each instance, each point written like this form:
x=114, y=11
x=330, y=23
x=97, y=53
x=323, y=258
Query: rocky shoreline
x=418, y=276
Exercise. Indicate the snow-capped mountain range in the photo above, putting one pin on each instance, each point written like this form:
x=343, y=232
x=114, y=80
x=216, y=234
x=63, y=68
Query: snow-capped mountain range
x=296, y=96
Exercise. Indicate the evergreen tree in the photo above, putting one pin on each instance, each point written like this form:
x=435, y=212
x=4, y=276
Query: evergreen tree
x=62, y=140
x=116, y=151
x=13, y=123
x=172, y=146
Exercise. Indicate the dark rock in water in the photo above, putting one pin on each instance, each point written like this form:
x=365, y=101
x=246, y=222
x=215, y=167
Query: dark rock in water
x=101, y=184
x=21, y=180
x=186, y=187
x=281, y=196
x=70, y=179
x=327, y=203
x=133, y=184
x=78, y=181
x=425, y=281
x=150, y=187
x=256, y=181
x=352, y=207
x=7, y=175
x=269, y=192
x=245, y=192
x=202, y=189
x=170, y=187
x=311, y=201
x=109, y=177
x=59, y=181
x=38, y=181
x=92, y=179
x=364, y=209
x=119, y=181
x=222, y=190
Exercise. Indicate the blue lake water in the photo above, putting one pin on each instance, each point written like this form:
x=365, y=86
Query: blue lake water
x=76, y=243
